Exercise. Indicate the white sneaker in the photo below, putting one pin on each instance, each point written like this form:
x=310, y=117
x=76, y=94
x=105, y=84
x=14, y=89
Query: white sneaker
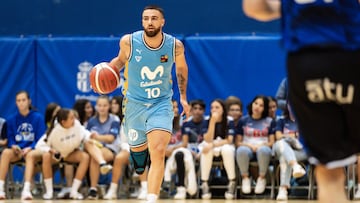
x=110, y=195
x=180, y=193
x=282, y=195
x=298, y=171
x=150, y=201
x=77, y=196
x=260, y=185
x=2, y=195
x=205, y=191
x=26, y=195
x=297, y=144
x=64, y=192
x=246, y=186
x=142, y=194
x=105, y=168
x=48, y=196
x=357, y=194
x=230, y=193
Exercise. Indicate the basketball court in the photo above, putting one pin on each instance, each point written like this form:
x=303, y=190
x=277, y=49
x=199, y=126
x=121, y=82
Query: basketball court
x=167, y=200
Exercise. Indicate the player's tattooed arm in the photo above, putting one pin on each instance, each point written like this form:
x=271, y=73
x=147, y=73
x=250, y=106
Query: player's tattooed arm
x=181, y=67
x=182, y=76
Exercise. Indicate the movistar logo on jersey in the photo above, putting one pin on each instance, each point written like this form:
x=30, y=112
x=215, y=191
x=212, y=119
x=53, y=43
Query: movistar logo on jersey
x=151, y=75
x=146, y=73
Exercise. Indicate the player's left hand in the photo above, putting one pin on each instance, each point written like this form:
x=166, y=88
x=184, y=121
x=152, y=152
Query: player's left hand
x=186, y=109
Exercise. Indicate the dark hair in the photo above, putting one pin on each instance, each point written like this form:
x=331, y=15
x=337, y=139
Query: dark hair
x=265, y=99
x=79, y=106
x=118, y=100
x=271, y=98
x=158, y=8
x=198, y=102
x=224, y=121
x=49, y=111
x=61, y=115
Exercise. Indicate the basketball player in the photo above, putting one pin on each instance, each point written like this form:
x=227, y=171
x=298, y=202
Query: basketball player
x=149, y=56
x=322, y=38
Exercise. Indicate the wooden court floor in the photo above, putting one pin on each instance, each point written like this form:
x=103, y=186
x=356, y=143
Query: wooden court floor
x=162, y=201
x=159, y=201
x=132, y=200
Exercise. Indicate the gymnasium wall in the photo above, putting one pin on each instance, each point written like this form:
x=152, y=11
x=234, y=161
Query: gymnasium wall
x=55, y=69
x=116, y=17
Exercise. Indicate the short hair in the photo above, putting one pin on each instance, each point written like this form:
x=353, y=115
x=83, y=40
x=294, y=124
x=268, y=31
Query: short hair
x=230, y=100
x=158, y=8
x=198, y=102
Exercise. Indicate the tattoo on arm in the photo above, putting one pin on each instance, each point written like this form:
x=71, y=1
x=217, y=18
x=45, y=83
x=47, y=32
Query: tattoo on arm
x=179, y=48
x=181, y=83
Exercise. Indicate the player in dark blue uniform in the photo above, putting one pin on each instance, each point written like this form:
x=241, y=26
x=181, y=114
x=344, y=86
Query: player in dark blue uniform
x=322, y=38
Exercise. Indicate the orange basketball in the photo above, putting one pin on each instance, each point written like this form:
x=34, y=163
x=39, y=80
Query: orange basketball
x=103, y=78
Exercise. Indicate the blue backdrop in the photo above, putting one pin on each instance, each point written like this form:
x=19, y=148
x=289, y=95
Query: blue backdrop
x=18, y=71
x=234, y=65
x=56, y=69
x=63, y=66
x=115, y=17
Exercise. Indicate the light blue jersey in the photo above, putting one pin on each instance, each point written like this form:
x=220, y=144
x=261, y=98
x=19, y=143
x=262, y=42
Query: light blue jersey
x=148, y=71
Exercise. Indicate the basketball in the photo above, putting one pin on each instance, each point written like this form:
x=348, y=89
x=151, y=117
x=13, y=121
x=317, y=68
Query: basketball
x=103, y=78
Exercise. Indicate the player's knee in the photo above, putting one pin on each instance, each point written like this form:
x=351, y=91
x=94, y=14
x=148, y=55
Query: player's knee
x=139, y=160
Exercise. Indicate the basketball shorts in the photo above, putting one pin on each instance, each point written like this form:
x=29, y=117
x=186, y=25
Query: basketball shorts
x=142, y=118
x=324, y=91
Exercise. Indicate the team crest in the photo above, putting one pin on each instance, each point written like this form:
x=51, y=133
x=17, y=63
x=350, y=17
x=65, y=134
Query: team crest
x=164, y=58
x=83, y=83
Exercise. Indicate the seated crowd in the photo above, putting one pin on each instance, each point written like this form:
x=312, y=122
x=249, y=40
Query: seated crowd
x=89, y=142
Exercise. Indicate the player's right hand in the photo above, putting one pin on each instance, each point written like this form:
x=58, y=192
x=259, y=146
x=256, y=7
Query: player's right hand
x=186, y=109
x=114, y=68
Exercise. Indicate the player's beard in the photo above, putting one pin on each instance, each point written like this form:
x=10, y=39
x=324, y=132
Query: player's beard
x=152, y=33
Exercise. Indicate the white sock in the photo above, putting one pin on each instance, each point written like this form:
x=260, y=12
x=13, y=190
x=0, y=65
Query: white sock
x=151, y=197
x=49, y=185
x=102, y=162
x=113, y=187
x=144, y=184
x=75, y=186
x=2, y=185
x=27, y=186
x=93, y=188
x=357, y=187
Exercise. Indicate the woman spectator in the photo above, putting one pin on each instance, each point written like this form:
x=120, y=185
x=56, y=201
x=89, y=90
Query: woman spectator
x=255, y=137
x=289, y=151
x=24, y=129
x=105, y=128
x=62, y=142
x=218, y=140
x=84, y=109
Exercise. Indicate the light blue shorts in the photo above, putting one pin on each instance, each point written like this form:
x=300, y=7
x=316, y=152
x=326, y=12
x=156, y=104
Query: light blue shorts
x=142, y=118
